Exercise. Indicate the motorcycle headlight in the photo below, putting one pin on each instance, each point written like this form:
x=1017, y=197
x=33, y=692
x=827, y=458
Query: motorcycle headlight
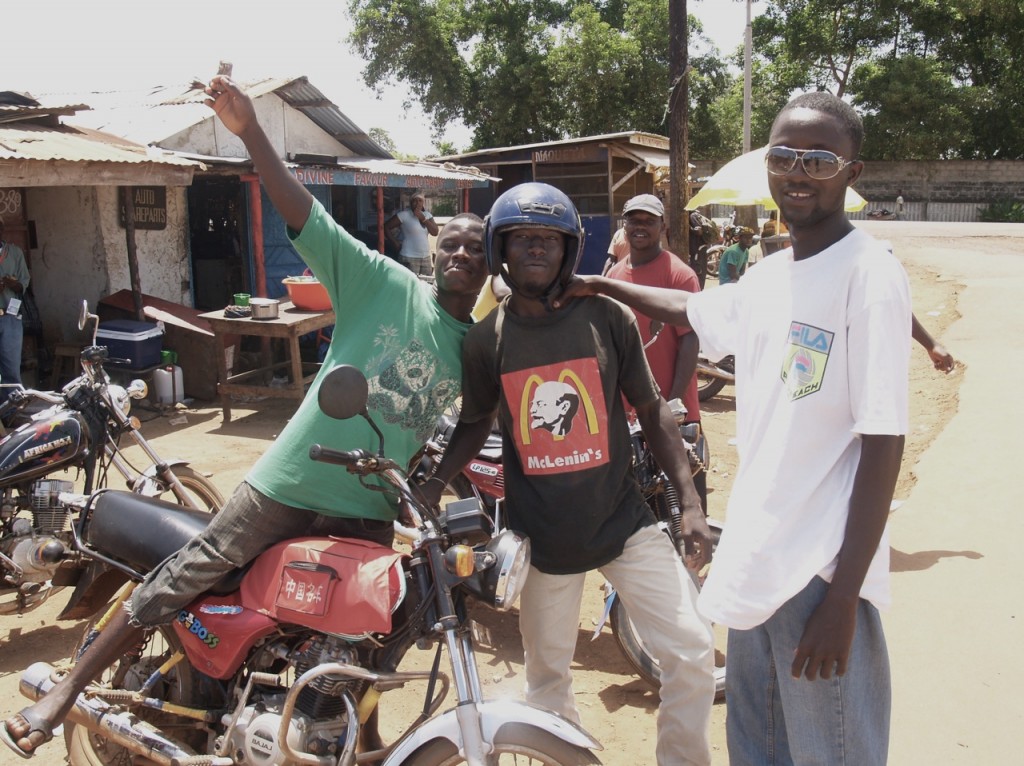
x=501, y=584
x=119, y=398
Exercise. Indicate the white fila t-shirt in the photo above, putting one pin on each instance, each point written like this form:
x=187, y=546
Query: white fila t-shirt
x=822, y=350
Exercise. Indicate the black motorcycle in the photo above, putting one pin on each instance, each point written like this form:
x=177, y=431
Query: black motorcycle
x=58, y=439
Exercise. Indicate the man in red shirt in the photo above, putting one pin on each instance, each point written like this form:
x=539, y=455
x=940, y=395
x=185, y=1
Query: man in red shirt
x=673, y=356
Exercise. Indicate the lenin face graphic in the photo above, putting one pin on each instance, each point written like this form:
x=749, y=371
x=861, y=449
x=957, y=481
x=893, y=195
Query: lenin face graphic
x=554, y=407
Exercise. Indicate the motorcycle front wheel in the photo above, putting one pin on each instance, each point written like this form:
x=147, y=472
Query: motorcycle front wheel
x=86, y=748
x=515, y=743
x=632, y=646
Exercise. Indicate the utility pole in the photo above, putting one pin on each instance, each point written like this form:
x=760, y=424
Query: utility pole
x=678, y=136
x=748, y=46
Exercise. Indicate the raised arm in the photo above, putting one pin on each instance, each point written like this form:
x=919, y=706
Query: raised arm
x=235, y=109
x=663, y=303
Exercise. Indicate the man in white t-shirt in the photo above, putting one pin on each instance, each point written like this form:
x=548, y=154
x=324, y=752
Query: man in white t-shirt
x=415, y=222
x=819, y=332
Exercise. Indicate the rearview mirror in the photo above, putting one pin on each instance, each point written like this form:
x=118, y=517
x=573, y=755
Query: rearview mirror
x=343, y=393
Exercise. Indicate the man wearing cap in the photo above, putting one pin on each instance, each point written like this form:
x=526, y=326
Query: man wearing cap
x=733, y=263
x=673, y=356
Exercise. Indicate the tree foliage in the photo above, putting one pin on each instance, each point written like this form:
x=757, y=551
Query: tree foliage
x=932, y=78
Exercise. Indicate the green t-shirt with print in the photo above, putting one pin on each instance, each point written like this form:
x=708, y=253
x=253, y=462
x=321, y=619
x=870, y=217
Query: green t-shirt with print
x=389, y=325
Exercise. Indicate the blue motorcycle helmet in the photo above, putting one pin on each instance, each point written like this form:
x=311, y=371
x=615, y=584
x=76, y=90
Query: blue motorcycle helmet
x=539, y=205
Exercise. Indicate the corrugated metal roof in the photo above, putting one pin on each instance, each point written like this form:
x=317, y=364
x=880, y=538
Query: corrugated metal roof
x=299, y=94
x=426, y=169
x=152, y=115
x=631, y=137
x=29, y=141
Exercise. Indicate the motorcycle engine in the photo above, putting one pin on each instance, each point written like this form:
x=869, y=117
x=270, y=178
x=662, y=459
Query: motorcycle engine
x=48, y=513
x=34, y=546
x=256, y=734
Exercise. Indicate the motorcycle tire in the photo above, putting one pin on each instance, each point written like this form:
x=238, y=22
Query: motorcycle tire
x=632, y=646
x=86, y=748
x=200, y=489
x=712, y=266
x=515, y=743
x=708, y=386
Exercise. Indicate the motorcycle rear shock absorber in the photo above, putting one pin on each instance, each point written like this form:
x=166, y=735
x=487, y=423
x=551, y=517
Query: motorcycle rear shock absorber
x=675, y=522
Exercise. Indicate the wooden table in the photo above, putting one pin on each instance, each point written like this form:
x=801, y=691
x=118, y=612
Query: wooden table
x=290, y=324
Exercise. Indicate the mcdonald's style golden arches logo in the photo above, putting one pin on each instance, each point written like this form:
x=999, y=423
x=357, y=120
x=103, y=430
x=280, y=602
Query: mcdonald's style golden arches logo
x=560, y=417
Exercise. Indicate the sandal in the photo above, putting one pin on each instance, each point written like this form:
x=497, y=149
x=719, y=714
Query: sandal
x=35, y=723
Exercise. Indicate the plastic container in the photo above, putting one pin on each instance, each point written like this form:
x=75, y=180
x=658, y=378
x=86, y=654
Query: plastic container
x=127, y=339
x=307, y=293
x=168, y=385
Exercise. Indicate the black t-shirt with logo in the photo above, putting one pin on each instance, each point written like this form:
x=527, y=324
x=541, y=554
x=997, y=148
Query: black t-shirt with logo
x=558, y=390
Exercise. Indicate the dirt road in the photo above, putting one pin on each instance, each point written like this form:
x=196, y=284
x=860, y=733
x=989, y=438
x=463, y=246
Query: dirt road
x=954, y=535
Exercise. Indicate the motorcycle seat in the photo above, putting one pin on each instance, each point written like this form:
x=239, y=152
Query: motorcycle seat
x=143, y=531
x=492, y=448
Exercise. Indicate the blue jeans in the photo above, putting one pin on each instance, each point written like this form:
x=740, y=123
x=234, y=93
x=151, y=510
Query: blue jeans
x=11, y=334
x=775, y=719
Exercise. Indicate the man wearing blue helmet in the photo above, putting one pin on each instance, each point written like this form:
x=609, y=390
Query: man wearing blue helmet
x=555, y=378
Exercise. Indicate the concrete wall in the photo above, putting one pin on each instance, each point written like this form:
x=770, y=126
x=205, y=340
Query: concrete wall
x=944, y=190
x=288, y=129
x=83, y=253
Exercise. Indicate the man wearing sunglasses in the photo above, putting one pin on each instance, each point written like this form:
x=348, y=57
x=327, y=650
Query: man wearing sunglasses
x=819, y=332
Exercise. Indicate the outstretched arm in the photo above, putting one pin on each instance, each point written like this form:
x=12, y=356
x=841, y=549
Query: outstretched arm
x=235, y=109
x=942, y=360
x=662, y=303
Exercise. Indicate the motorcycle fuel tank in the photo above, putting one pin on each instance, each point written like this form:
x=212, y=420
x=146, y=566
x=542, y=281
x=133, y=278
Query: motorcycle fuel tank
x=37, y=448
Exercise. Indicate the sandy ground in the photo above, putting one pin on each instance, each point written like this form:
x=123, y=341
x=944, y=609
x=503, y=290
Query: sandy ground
x=954, y=532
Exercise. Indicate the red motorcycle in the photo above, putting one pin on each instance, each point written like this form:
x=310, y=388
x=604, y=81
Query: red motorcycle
x=284, y=662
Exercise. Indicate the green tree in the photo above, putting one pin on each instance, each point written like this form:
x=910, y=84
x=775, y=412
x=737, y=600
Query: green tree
x=383, y=139
x=520, y=72
x=911, y=109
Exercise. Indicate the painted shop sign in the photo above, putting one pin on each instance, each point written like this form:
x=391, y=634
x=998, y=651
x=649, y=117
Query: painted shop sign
x=150, y=204
x=341, y=177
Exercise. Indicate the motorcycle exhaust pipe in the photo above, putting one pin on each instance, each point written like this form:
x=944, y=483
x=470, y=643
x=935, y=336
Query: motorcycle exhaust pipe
x=714, y=372
x=118, y=727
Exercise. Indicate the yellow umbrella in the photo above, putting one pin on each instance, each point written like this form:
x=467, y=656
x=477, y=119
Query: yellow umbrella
x=744, y=181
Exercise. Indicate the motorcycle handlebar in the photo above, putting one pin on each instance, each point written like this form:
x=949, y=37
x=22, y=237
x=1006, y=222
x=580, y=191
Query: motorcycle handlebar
x=322, y=454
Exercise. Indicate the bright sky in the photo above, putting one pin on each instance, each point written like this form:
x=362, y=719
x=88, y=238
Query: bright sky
x=52, y=46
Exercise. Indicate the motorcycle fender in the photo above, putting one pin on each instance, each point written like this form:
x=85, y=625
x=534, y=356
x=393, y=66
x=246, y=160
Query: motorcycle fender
x=96, y=585
x=147, y=484
x=493, y=715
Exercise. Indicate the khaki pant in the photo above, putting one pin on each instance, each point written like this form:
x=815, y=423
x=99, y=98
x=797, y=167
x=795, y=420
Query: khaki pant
x=661, y=599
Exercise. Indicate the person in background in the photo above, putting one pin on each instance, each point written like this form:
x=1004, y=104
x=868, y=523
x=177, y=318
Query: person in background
x=802, y=568
x=14, y=278
x=404, y=334
x=899, y=204
x=618, y=248
x=673, y=355
x=568, y=467
x=733, y=262
x=703, y=233
x=415, y=222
